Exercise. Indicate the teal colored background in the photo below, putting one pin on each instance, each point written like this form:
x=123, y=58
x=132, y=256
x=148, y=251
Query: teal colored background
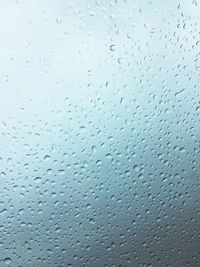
x=99, y=133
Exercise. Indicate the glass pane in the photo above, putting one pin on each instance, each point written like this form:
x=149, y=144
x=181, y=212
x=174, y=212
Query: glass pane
x=99, y=133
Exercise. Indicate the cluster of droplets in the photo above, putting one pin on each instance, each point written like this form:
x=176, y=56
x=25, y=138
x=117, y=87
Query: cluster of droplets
x=108, y=175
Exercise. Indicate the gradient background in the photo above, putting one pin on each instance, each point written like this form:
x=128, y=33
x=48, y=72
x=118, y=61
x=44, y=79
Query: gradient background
x=99, y=133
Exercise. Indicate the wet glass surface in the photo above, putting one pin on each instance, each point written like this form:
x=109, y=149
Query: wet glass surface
x=99, y=133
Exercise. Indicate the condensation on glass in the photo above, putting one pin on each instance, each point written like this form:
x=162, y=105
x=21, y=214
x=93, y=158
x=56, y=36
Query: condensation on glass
x=99, y=133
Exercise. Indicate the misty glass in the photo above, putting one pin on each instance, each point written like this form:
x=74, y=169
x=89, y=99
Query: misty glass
x=99, y=133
